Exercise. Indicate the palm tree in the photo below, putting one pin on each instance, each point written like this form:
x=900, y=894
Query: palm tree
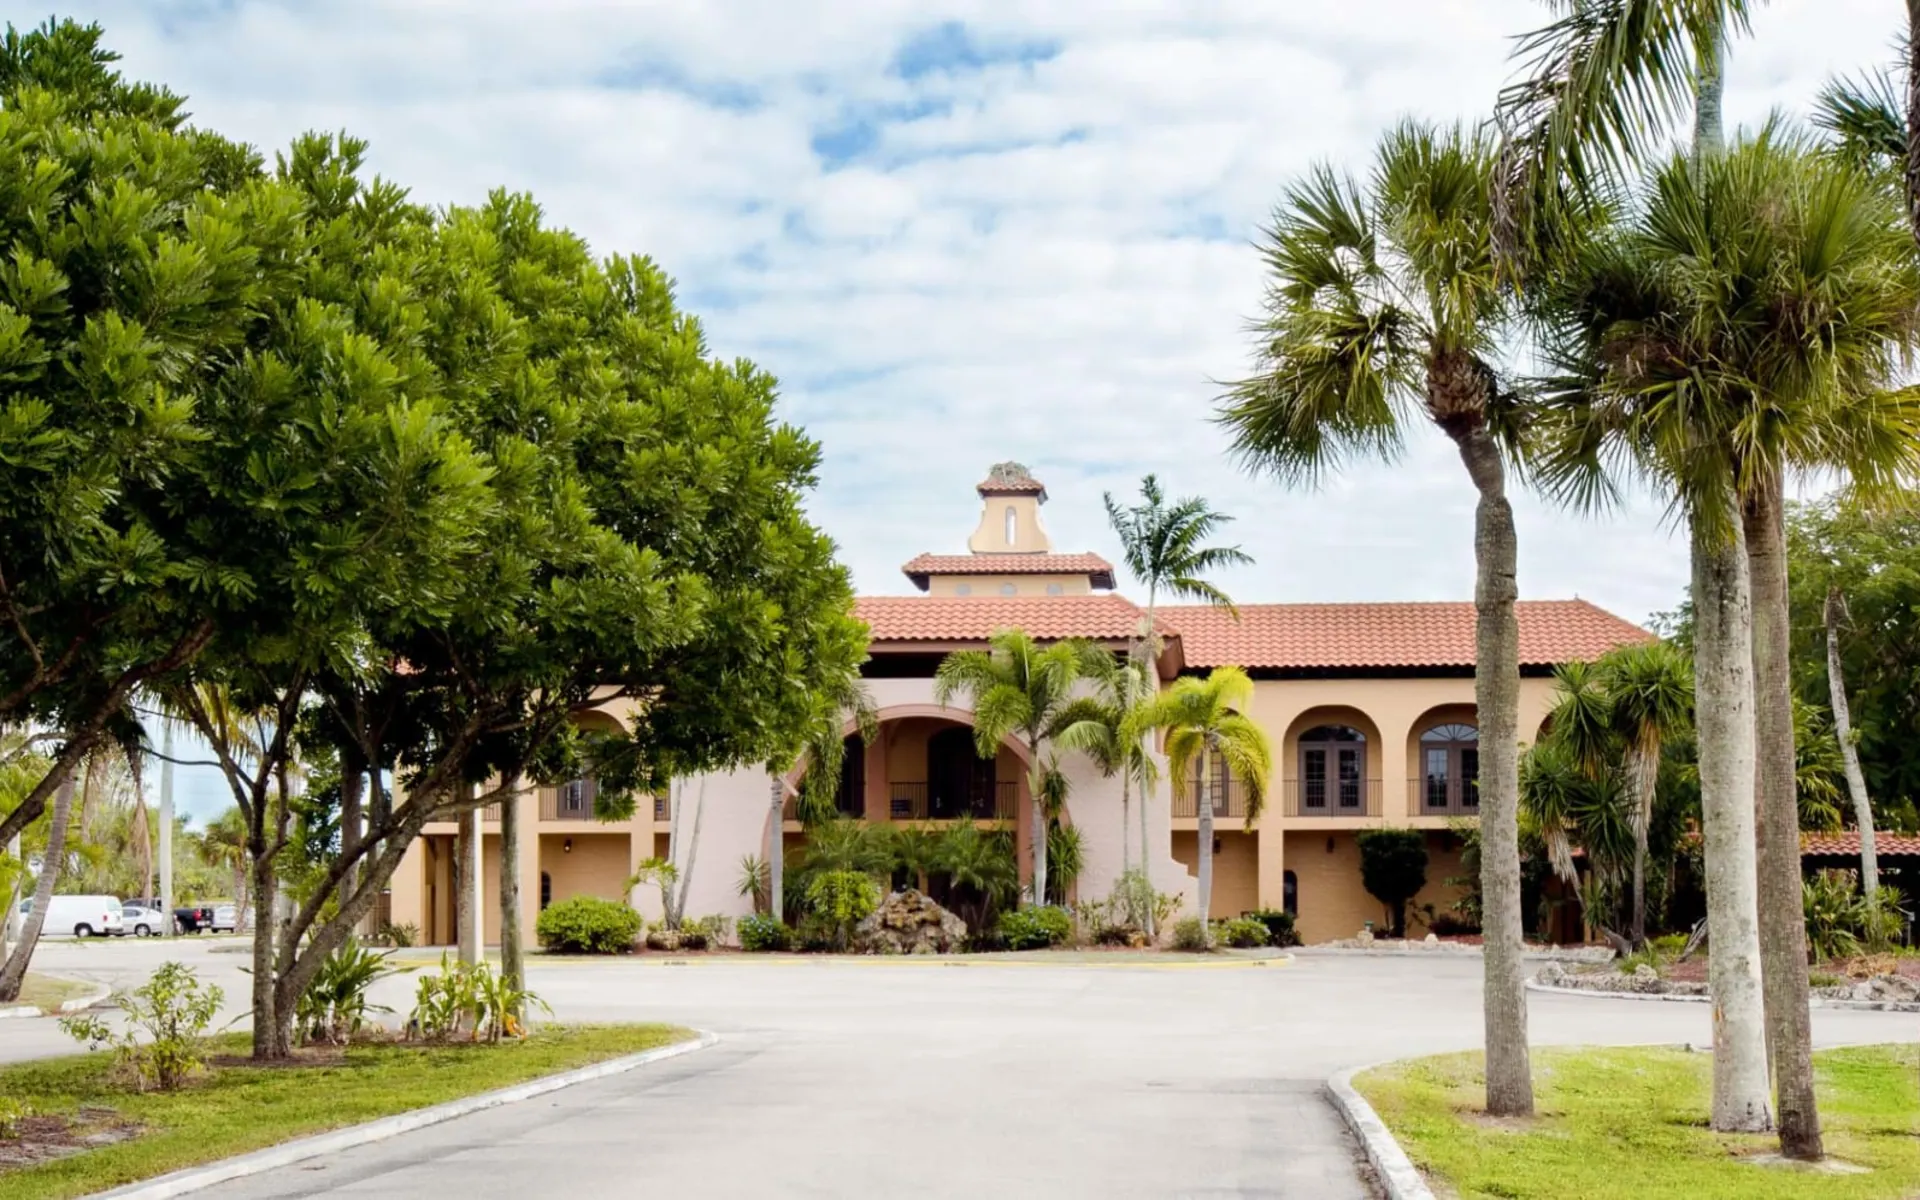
x=1111, y=730
x=1384, y=306
x=1833, y=613
x=1205, y=722
x=1748, y=324
x=1649, y=691
x=224, y=844
x=1165, y=547
x=13, y=973
x=1606, y=82
x=1018, y=689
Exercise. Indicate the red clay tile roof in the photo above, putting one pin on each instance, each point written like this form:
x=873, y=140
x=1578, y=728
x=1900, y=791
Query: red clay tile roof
x=975, y=618
x=1847, y=844
x=1308, y=636
x=1098, y=569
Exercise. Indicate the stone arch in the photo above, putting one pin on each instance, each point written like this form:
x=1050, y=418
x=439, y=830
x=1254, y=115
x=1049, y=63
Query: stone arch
x=1288, y=757
x=1454, y=761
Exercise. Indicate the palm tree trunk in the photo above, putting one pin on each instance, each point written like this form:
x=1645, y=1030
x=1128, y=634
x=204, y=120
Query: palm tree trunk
x=1036, y=781
x=1913, y=116
x=513, y=959
x=1149, y=673
x=1849, y=753
x=14, y=974
x=1723, y=698
x=679, y=909
x=1496, y=692
x=1126, y=819
x=1783, y=932
x=1204, y=809
x=1643, y=772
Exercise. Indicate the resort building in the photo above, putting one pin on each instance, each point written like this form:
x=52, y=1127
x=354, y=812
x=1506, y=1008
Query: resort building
x=1369, y=709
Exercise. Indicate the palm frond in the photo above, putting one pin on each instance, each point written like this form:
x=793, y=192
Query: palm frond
x=1864, y=116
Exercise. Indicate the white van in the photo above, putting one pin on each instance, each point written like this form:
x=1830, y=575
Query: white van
x=78, y=916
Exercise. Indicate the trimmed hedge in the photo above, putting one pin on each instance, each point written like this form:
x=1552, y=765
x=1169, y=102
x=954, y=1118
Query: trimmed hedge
x=1036, y=928
x=588, y=925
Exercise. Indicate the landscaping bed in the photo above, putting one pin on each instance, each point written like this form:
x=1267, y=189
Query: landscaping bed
x=1890, y=980
x=87, y=1131
x=1615, y=1124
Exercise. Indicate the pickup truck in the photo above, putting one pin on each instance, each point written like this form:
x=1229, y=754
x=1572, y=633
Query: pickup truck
x=193, y=918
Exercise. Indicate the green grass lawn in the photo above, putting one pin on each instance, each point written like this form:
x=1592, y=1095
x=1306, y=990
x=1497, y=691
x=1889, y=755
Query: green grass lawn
x=46, y=992
x=1633, y=1123
x=231, y=1110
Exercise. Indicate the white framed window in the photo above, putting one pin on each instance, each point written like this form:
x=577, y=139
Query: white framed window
x=1013, y=526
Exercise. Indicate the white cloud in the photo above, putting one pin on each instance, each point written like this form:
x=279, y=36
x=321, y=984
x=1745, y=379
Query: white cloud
x=1045, y=257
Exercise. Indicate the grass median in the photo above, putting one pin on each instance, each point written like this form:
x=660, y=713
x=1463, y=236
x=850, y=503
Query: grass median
x=232, y=1109
x=48, y=992
x=1620, y=1123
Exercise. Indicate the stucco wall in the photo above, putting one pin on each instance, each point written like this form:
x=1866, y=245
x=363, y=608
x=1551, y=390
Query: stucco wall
x=986, y=583
x=1236, y=871
x=596, y=866
x=1029, y=533
x=1332, y=902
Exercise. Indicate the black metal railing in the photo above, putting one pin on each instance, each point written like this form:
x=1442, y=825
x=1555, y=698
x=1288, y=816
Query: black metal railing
x=1443, y=797
x=1330, y=797
x=914, y=800
x=1229, y=799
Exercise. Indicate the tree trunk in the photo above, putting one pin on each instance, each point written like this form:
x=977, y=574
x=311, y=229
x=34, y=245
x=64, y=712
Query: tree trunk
x=679, y=911
x=272, y=1027
x=1783, y=931
x=14, y=974
x=1126, y=817
x=352, y=797
x=1035, y=778
x=1496, y=693
x=466, y=894
x=1850, y=753
x=1723, y=695
x=1708, y=85
x=1203, y=808
x=513, y=962
x=1643, y=775
x=1913, y=116
x=1149, y=674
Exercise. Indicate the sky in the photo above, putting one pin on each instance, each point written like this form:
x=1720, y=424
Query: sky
x=962, y=231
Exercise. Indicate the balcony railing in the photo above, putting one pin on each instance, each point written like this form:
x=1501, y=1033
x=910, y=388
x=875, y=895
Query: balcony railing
x=912, y=800
x=1330, y=798
x=1229, y=799
x=1443, y=797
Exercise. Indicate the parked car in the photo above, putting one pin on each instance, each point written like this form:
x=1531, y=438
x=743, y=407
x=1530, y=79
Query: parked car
x=225, y=918
x=140, y=921
x=78, y=916
x=193, y=918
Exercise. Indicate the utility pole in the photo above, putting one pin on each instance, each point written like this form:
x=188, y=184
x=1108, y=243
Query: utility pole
x=166, y=829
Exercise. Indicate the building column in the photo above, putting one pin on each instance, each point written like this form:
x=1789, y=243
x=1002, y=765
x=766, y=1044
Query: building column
x=1271, y=848
x=879, y=791
x=1396, y=794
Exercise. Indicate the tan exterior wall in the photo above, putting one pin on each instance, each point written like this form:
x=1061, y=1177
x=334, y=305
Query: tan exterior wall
x=596, y=866
x=1029, y=535
x=1332, y=902
x=1236, y=871
x=987, y=584
x=1443, y=863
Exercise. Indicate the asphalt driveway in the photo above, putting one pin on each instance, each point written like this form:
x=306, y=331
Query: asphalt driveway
x=894, y=1078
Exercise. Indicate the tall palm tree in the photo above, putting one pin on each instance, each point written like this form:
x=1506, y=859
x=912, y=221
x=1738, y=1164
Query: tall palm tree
x=1383, y=307
x=1605, y=83
x=1165, y=546
x=1649, y=691
x=13, y=973
x=1748, y=323
x=824, y=753
x=1205, y=722
x=1021, y=690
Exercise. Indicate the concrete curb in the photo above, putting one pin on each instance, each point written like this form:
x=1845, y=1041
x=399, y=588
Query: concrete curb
x=1814, y=1002
x=100, y=992
x=1560, y=956
x=193, y=1179
x=658, y=960
x=1399, y=1178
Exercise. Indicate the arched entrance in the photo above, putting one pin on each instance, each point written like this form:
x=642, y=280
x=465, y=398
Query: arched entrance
x=960, y=784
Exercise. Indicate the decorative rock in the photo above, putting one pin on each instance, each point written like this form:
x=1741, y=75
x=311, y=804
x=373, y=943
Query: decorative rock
x=1364, y=938
x=1552, y=975
x=663, y=939
x=1644, y=979
x=1432, y=939
x=909, y=922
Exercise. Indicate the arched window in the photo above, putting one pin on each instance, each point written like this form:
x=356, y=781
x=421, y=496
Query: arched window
x=1290, y=892
x=1013, y=528
x=546, y=890
x=1333, y=770
x=1450, y=769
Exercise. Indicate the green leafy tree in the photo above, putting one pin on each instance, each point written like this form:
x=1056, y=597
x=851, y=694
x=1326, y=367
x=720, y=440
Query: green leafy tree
x=1018, y=689
x=1206, y=722
x=1393, y=869
x=1384, y=307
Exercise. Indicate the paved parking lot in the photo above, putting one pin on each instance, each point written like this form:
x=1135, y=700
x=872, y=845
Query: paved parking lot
x=886, y=1078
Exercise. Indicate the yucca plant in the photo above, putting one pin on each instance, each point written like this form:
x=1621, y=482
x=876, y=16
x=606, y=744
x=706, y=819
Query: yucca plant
x=335, y=1006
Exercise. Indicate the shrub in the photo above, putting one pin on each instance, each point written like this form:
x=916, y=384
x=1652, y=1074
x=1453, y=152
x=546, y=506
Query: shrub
x=705, y=933
x=842, y=899
x=588, y=925
x=13, y=1114
x=763, y=932
x=1243, y=933
x=469, y=998
x=1279, y=926
x=1393, y=869
x=172, y=1009
x=334, y=1006
x=1190, y=933
x=814, y=934
x=1035, y=928
x=1453, y=924
x=399, y=936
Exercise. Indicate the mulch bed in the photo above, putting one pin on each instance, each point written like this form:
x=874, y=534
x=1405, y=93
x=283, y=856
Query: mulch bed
x=44, y=1139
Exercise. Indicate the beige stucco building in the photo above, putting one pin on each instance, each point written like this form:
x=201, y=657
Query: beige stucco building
x=1369, y=709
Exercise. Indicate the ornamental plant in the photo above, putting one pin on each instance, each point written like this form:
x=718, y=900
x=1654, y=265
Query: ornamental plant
x=166, y=1017
x=588, y=925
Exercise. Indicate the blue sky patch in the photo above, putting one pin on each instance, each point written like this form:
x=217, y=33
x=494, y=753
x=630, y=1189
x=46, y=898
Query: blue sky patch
x=952, y=48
